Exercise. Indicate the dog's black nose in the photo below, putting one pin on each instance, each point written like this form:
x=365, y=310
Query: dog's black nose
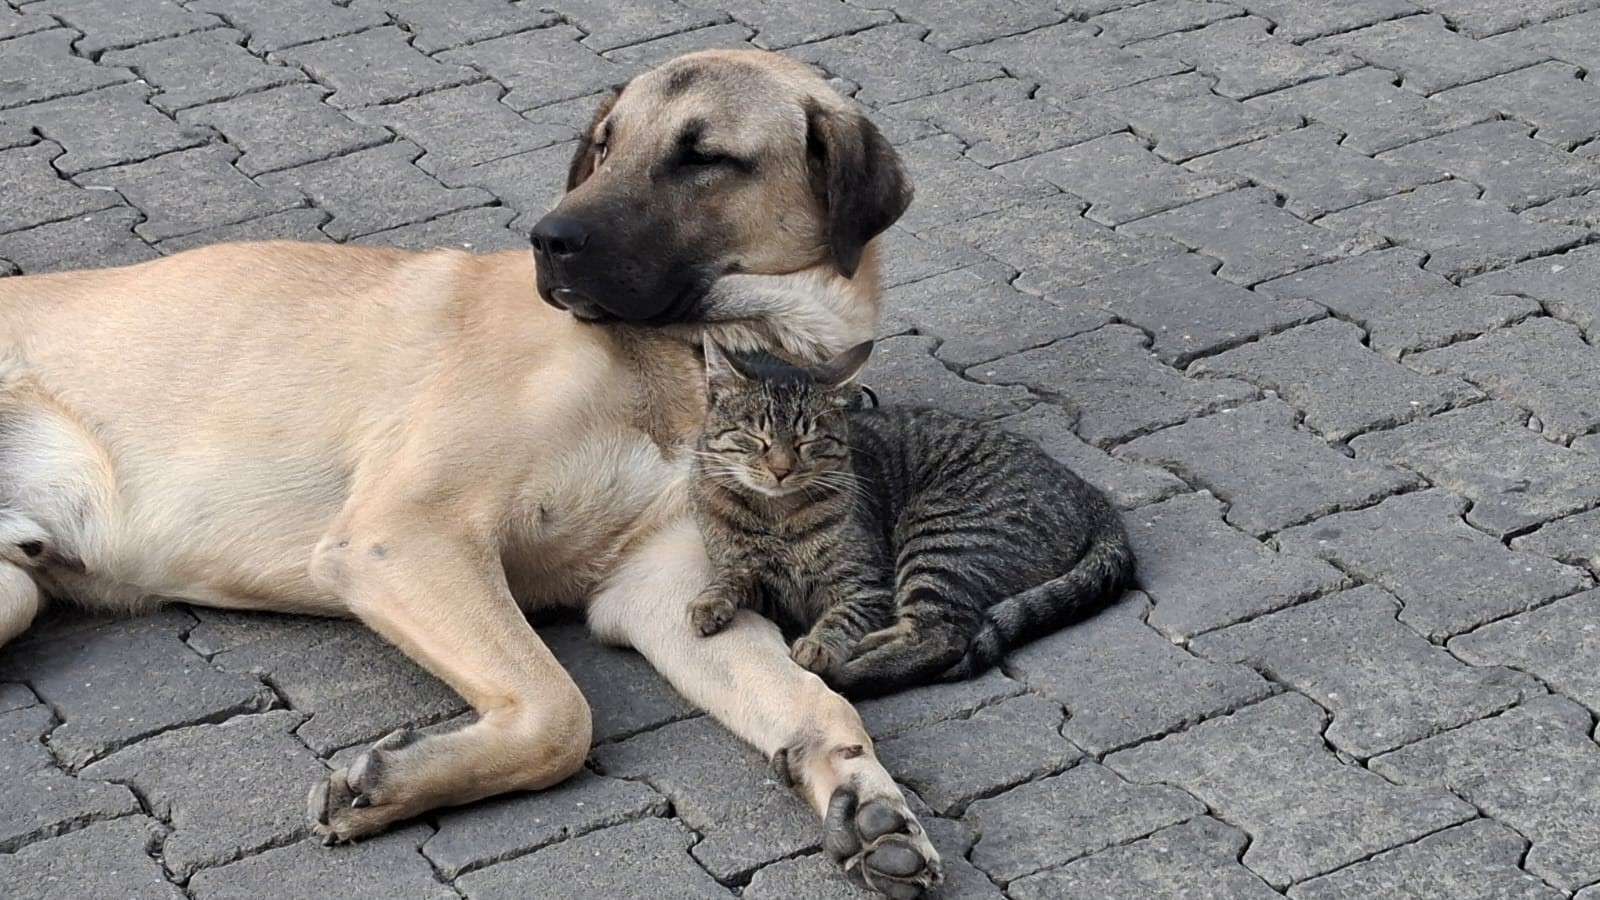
x=556, y=235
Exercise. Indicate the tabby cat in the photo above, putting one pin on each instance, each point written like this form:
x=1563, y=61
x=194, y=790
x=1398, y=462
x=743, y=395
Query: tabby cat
x=914, y=545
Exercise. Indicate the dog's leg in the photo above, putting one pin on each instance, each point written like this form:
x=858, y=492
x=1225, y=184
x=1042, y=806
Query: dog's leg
x=744, y=677
x=19, y=602
x=444, y=601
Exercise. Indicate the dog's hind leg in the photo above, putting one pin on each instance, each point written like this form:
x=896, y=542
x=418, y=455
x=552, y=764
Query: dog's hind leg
x=744, y=677
x=19, y=601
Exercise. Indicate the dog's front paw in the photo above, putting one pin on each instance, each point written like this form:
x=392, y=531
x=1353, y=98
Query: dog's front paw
x=360, y=799
x=710, y=613
x=881, y=839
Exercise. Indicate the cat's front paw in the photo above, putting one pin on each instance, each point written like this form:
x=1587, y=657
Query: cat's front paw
x=818, y=655
x=710, y=613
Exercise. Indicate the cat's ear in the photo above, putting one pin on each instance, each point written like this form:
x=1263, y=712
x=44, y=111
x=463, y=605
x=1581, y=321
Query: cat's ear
x=843, y=369
x=721, y=368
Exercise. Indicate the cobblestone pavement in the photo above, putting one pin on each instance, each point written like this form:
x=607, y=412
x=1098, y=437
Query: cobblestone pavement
x=1309, y=286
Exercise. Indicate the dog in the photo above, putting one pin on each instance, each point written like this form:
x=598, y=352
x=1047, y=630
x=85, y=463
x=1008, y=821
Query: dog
x=436, y=443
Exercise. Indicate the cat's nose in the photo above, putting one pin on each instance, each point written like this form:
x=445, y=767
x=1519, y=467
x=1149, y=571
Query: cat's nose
x=780, y=468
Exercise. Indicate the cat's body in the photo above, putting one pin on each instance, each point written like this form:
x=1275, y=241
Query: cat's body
x=915, y=545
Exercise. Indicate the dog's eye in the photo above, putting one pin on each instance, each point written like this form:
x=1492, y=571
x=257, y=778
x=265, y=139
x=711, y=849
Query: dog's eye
x=697, y=159
x=600, y=153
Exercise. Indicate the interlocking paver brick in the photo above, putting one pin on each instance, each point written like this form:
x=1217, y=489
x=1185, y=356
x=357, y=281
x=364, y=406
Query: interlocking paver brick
x=1121, y=682
x=1128, y=483
x=1271, y=473
x=1267, y=770
x=285, y=23
x=289, y=225
x=481, y=230
x=1373, y=114
x=540, y=67
x=655, y=52
x=103, y=860
x=394, y=191
x=1254, y=237
x=530, y=183
x=1246, y=59
x=36, y=193
x=376, y=66
x=1481, y=18
x=1058, y=819
x=100, y=239
x=1154, y=19
x=1541, y=364
x=1477, y=860
x=1532, y=768
x=1564, y=110
x=905, y=370
x=16, y=23
x=228, y=789
x=959, y=23
x=42, y=66
x=378, y=868
x=440, y=26
x=1071, y=62
x=1429, y=56
x=202, y=67
x=1384, y=685
x=1582, y=211
x=1119, y=176
x=1001, y=121
x=1117, y=387
x=191, y=190
x=911, y=257
x=1343, y=387
x=1199, y=858
x=657, y=854
x=891, y=63
x=1574, y=39
x=895, y=714
x=625, y=693
x=1462, y=234
x=780, y=25
x=108, y=127
x=1574, y=540
x=1204, y=574
x=111, y=24
x=1301, y=20
x=1514, y=477
x=609, y=24
x=1567, y=286
x=284, y=127
x=16, y=696
x=462, y=126
x=817, y=875
x=951, y=188
x=1559, y=642
x=1513, y=169
x=1313, y=172
x=1184, y=116
x=41, y=800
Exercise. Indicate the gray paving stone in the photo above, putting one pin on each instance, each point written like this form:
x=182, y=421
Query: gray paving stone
x=951, y=188
x=660, y=50
x=373, y=190
x=1531, y=768
x=202, y=67
x=16, y=696
x=1184, y=117
x=1301, y=20
x=1000, y=121
x=1513, y=169
x=1560, y=643
x=905, y=371
x=1428, y=56
x=1481, y=18
x=291, y=225
x=1071, y=62
x=609, y=24
x=36, y=193
x=658, y=864
x=781, y=25
x=1514, y=478
x=41, y=66
x=1266, y=769
x=1373, y=114
x=1129, y=484
x=284, y=127
x=1343, y=387
x=120, y=857
x=1149, y=20
x=1314, y=173
x=378, y=868
x=111, y=24
x=1053, y=246
x=1272, y=474
x=1204, y=574
x=529, y=183
x=1121, y=682
x=625, y=694
x=107, y=127
x=41, y=800
x=1564, y=110
x=1568, y=286
x=462, y=126
x=1462, y=234
x=1199, y=858
x=959, y=23
x=1246, y=59
x=1574, y=39
x=16, y=136
x=16, y=23
x=891, y=63
x=1582, y=211
x=1401, y=306
x=1541, y=364
x=1255, y=239
x=910, y=257
x=1117, y=387
x=229, y=790
x=1574, y=540
x=1121, y=179
x=288, y=22
x=891, y=716
x=99, y=239
x=1475, y=860
x=1055, y=820
x=720, y=788
x=192, y=190
x=376, y=66
x=524, y=63
x=817, y=875
x=438, y=26
x=479, y=230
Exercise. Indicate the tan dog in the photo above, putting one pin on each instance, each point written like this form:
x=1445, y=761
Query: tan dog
x=421, y=442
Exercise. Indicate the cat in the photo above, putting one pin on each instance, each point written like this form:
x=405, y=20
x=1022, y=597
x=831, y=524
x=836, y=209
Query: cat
x=914, y=545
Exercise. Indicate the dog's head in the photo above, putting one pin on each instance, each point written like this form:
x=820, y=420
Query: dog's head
x=719, y=162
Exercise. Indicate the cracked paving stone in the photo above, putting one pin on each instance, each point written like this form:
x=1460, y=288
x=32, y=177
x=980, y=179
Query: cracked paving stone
x=1574, y=39
x=202, y=67
x=1000, y=121
x=951, y=188
x=1150, y=20
x=1186, y=309
x=1245, y=59
x=1373, y=114
x=42, y=66
x=1119, y=177
x=657, y=862
x=122, y=858
x=1343, y=387
x=1532, y=768
x=1461, y=233
x=115, y=683
x=910, y=257
x=1112, y=381
x=952, y=763
x=1560, y=643
x=41, y=800
x=980, y=316
x=1064, y=817
x=1477, y=860
x=961, y=23
x=290, y=225
x=108, y=127
x=376, y=868
x=1450, y=576
x=376, y=66
x=391, y=190
x=479, y=230
x=782, y=25
x=36, y=193
x=1401, y=306
x=1272, y=473
x=1515, y=478
x=438, y=26
x=1574, y=540
x=1564, y=110
x=1428, y=56
x=1129, y=484
x=905, y=371
x=1314, y=173
x=111, y=24
x=1266, y=769
x=1255, y=239
x=462, y=126
x=1301, y=20
x=1185, y=117
x=228, y=790
x=1071, y=61
x=1541, y=364
x=285, y=23
x=284, y=127
x=193, y=190
x=1121, y=682
x=1204, y=574
x=720, y=788
x=1384, y=684
x=101, y=239
x=894, y=715
x=1481, y=18
x=1199, y=858
x=1514, y=170
x=1568, y=286
x=891, y=63
x=625, y=693
x=509, y=826
x=541, y=67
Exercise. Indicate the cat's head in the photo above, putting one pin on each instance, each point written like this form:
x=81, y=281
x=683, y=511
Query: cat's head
x=775, y=428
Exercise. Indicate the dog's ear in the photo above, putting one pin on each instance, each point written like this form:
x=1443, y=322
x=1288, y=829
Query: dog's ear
x=587, y=157
x=845, y=367
x=858, y=178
